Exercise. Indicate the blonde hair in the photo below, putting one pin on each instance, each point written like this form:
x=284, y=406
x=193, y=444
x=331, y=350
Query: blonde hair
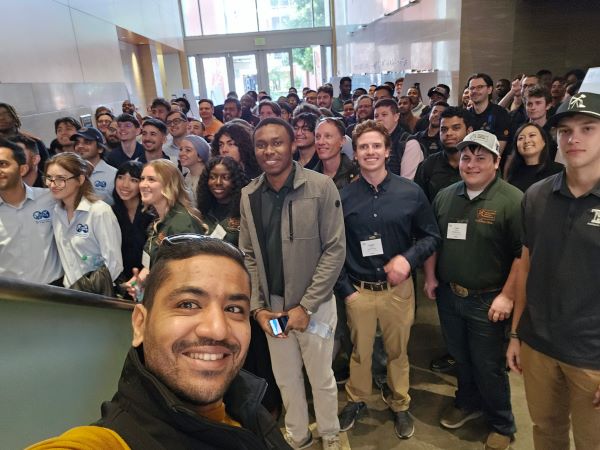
x=173, y=188
x=75, y=164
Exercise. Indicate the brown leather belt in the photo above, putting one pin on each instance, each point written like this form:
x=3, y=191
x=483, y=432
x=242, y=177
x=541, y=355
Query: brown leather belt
x=371, y=285
x=463, y=292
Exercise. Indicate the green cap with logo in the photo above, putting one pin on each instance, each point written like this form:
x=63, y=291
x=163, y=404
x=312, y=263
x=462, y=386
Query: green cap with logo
x=586, y=103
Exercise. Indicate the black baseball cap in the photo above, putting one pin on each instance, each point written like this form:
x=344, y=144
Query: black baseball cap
x=586, y=103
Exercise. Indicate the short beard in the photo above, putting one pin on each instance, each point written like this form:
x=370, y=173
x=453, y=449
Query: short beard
x=451, y=150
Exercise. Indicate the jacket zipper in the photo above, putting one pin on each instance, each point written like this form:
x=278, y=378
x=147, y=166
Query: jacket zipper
x=291, y=224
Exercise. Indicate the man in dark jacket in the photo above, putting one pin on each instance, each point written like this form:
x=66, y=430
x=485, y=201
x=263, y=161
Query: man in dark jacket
x=182, y=385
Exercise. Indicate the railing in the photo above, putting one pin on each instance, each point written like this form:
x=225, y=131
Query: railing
x=61, y=354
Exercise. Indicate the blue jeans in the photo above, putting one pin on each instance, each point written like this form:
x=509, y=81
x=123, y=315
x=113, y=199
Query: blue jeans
x=477, y=345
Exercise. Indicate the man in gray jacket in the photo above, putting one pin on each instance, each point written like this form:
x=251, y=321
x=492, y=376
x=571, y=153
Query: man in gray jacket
x=292, y=232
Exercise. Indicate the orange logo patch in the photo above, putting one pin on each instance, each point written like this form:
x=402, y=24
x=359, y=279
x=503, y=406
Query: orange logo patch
x=487, y=216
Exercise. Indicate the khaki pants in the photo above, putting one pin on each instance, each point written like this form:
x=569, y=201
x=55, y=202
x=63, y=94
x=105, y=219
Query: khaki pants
x=555, y=391
x=315, y=353
x=395, y=310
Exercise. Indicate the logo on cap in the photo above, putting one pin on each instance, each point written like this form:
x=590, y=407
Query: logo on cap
x=577, y=101
x=100, y=184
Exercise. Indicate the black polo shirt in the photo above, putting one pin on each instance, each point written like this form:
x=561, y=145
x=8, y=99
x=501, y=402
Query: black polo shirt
x=117, y=156
x=494, y=119
x=562, y=315
x=435, y=173
x=396, y=212
x=271, y=206
x=310, y=164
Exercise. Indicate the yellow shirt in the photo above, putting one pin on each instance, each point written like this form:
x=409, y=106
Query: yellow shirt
x=84, y=438
x=218, y=414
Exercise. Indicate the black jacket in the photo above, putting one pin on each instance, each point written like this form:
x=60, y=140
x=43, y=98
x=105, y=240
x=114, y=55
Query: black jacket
x=148, y=416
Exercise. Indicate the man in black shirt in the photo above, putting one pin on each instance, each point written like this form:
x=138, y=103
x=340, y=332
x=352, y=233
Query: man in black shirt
x=130, y=149
x=555, y=338
x=383, y=214
x=429, y=138
x=488, y=116
x=440, y=170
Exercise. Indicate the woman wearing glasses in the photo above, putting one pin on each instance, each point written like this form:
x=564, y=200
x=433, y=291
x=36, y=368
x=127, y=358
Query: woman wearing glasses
x=84, y=226
x=218, y=195
x=330, y=138
x=163, y=192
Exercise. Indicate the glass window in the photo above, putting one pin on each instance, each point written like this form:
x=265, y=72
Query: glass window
x=228, y=16
x=278, y=65
x=245, y=73
x=304, y=67
x=191, y=17
x=290, y=14
x=194, y=76
x=215, y=77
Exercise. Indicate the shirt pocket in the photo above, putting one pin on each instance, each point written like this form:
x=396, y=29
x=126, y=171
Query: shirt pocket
x=303, y=220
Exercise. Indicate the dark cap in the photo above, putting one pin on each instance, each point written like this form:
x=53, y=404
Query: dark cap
x=581, y=103
x=437, y=90
x=89, y=133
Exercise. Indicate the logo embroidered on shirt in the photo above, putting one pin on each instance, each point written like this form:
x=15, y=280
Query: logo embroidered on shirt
x=41, y=216
x=100, y=184
x=82, y=228
x=595, y=222
x=487, y=216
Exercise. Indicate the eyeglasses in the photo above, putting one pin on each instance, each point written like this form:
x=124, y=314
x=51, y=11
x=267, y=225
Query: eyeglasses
x=302, y=130
x=184, y=238
x=59, y=182
x=175, y=122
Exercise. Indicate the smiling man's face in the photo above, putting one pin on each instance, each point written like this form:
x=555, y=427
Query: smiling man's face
x=196, y=334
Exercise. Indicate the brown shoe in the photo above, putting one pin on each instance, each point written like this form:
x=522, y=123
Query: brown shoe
x=496, y=441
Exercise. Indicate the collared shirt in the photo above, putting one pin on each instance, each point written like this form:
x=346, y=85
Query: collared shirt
x=117, y=156
x=27, y=248
x=436, y=173
x=143, y=159
x=310, y=164
x=480, y=236
x=396, y=212
x=172, y=151
x=89, y=240
x=103, y=180
x=346, y=173
x=271, y=205
x=562, y=234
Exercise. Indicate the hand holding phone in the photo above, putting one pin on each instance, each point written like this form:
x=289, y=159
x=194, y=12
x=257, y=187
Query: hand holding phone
x=278, y=325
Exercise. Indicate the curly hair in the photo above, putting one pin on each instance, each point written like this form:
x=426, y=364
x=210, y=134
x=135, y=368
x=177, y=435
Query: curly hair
x=243, y=139
x=205, y=198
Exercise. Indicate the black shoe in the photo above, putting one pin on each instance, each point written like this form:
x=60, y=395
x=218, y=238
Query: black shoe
x=386, y=393
x=350, y=413
x=444, y=364
x=342, y=376
x=404, y=425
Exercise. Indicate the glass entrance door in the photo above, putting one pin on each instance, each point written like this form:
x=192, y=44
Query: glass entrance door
x=245, y=73
x=215, y=78
x=280, y=73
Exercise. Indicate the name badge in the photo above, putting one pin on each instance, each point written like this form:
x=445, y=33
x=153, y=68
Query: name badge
x=146, y=260
x=219, y=232
x=457, y=231
x=372, y=246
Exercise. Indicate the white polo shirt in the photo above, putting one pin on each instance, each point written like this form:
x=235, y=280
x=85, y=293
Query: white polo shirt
x=103, y=180
x=91, y=239
x=27, y=248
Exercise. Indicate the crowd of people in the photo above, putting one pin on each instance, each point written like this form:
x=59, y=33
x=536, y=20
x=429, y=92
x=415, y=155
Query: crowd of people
x=335, y=203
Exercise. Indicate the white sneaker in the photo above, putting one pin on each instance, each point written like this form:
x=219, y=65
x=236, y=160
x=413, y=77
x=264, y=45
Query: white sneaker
x=307, y=442
x=331, y=443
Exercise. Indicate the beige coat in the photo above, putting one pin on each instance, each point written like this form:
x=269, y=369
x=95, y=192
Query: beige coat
x=313, y=244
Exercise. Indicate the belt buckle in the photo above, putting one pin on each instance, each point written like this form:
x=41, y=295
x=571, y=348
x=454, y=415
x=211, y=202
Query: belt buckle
x=459, y=290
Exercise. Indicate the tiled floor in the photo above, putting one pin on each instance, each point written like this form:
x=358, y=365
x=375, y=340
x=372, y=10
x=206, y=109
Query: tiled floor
x=431, y=393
